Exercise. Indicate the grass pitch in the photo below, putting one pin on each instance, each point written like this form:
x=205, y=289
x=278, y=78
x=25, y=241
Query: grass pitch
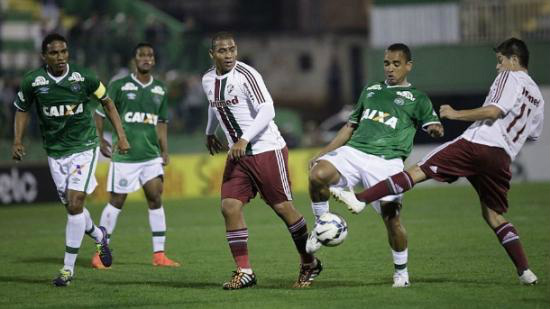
x=455, y=261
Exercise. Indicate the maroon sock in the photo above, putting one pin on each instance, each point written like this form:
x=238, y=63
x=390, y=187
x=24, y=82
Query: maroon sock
x=393, y=185
x=509, y=239
x=298, y=230
x=238, y=243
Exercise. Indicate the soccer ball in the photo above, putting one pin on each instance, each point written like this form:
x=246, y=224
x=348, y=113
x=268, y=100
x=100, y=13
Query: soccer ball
x=331, y=229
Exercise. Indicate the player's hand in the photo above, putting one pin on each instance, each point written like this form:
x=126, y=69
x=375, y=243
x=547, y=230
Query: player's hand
x=123, y=145
x=238, y=150
x=105, y=148
x=18, y=151
x=436, y=130
x=446, y=111
x=165, y=158
x=214, y=145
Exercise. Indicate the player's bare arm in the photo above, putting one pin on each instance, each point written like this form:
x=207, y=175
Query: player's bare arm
x=21, y=121
x=341, y=138
x=435, y=130
x=162, y=132
x=489, y=112
x=214, y=145
x=111, y=112
x=104, y=145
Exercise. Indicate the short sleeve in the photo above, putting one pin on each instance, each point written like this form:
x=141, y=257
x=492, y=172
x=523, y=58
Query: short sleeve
x=504, y=91
x=163, y=111
x=357, y=112
x=425, y=114
x=25, y=96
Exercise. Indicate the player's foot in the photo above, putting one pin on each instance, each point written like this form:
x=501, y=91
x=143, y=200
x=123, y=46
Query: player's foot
x=313, y=244
x=96, y=262
x=348, y=198
x=308, y=273
x=160, y=259
x=240, y=280
x=528, y=278
x=64, y=278
x=401, y=280
x=103, y=249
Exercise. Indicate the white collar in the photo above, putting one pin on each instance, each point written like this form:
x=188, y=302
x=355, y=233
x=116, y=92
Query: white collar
x=60, y=78
x=395, y=86
x=142, y=85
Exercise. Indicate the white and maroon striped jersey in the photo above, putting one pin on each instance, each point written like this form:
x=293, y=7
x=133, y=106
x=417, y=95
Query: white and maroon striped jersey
x=235, y=98
x=522, y=105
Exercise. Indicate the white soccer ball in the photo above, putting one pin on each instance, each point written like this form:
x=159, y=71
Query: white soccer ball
x=331, y=229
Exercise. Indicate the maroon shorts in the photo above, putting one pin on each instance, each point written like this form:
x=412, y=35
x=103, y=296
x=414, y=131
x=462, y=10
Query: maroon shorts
x=487, y=168
x=266, y=172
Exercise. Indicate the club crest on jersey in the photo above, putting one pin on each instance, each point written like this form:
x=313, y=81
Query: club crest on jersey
x=399, y=101
x=157, y=99
x=375, y=87
x=381, y=117
x=63, y=110
x=75, y=87
x=131, y=95
x=158, y=90
x=406, y=95
x=222, y=103
x=230, y=89
x=40, y=81
x=129, y=87
x=76, y=77
x=139, y=117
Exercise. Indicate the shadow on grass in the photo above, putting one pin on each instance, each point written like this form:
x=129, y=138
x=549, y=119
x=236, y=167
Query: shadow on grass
x=42, y=260
x=18, y=279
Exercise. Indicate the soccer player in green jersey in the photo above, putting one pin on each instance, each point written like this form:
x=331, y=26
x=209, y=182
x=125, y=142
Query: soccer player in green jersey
x=61, y=93
x=372, y=146
x=142, y=101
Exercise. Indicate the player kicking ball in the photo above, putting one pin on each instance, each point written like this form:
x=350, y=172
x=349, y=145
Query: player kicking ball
x=141, y=99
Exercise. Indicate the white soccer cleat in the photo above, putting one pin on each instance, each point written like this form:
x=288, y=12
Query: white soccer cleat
x=528, y=278
x=401, y=280
x=313, y=244
x=347, y=197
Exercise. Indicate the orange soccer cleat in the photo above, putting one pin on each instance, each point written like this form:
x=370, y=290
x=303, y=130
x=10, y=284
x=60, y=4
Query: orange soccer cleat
x=96, y=262
x=160, y=259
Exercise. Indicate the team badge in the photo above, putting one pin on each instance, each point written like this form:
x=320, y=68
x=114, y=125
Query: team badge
x=399, y=101
x=75, y=87
x=123, y=182
x=157, y=99
x=230, y=89
x=131, y=96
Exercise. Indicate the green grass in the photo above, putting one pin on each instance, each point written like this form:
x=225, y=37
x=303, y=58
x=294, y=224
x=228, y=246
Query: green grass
x=455, y=260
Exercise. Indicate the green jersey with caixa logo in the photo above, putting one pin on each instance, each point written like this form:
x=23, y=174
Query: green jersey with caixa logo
x=64, y=108
x=388, y=117
x=141, y=107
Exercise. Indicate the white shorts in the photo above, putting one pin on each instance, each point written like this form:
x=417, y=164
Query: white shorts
x=357, y=167
x=74, y=172
x=130, y=177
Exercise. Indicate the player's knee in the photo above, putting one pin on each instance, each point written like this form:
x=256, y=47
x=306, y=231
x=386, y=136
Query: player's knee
x=231, y=208
x=283, y=208
x=390, y=211
x=154, y=202
x=319, y=176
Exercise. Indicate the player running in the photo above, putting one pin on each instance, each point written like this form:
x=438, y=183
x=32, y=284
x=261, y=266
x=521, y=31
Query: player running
x=61, y=92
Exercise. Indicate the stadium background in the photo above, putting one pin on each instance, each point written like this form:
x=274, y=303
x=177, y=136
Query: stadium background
x=315, y=56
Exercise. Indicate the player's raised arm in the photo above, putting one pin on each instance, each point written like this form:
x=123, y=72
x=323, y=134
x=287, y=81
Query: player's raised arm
x=20, y=124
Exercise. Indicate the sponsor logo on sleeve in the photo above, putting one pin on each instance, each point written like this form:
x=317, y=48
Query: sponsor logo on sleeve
x=21, y=96
x=76, y=77
x=158, y=90
x=40, y=81
x=129, y=86
x=407, y=95
x=375, y=87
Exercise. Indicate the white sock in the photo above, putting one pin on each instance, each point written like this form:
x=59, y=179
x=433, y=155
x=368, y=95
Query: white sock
x=400, y=259
x=74, y=232
x=319, y=208
x=108, y=219
x=158, y=227
x=91, y=228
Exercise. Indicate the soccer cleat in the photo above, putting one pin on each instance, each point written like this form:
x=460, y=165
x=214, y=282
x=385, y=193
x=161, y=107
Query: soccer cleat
x=240, y=280
x=308, y=273
x=103, y=249
x=64, y=278
x=160, y=259
x=96, y=262
x=348, y=198
x=401, y=280
x=528, y=278
x=313, y=244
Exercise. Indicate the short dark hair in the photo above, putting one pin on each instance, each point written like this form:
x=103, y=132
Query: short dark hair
x=402, y=48
x=514, y=47
x=224, y=35
x=50, y=38
x=140, y=45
